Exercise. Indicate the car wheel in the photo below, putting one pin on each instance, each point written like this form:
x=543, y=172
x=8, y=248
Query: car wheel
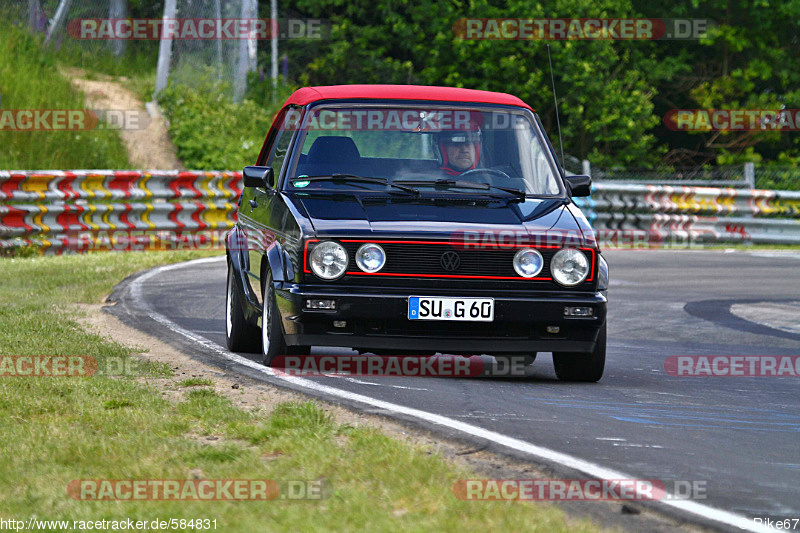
x=586, y=367
x=273, y=343
x=240, y=335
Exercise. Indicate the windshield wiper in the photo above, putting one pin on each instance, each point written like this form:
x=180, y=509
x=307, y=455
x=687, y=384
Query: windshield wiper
x=343, y=178
x=447, y=183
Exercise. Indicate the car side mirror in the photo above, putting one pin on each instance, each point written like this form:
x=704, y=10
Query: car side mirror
x=262, y=177
x=579, y=185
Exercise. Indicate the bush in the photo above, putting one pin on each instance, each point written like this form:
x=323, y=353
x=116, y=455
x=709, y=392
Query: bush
x=210, y=131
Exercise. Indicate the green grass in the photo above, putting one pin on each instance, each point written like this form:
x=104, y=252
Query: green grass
x=62, y=429
x=196, y=382
x=29, y=79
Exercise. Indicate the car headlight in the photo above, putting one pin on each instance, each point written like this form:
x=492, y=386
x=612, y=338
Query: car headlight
x=569, y=267
x=370, y=257
x=528, y=262
x=328, y=260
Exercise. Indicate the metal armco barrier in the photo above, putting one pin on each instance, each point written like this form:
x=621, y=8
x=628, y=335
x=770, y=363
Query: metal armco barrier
x=53, y=186
x=87, y=209
x=632, y=198
x=680, y=213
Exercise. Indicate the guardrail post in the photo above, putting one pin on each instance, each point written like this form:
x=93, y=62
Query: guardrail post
x=587, y=168
x=750, y=174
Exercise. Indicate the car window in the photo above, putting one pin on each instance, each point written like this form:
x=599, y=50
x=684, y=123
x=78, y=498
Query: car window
x=280, y=146
x=388, y=145
x=490, y=146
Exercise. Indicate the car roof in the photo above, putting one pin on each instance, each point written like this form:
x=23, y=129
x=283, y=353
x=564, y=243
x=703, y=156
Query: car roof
x=307, y=95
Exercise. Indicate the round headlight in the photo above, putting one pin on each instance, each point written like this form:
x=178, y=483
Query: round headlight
x=528, y=262
x=328, y=260
x=569, y=267
x=370, y=257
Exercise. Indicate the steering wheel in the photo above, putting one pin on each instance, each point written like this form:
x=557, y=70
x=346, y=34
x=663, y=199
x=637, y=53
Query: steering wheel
x=486, y=171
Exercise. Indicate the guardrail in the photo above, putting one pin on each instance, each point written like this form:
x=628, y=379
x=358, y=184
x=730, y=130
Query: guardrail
x=757, y=216
x=129, y=210
x=115, y=210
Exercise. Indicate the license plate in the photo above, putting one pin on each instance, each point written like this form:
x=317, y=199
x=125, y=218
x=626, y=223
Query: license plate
x=464, y=309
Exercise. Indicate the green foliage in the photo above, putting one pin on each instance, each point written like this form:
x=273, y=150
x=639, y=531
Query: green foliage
x=613, y=95
x=29, y=79
x=605, y=100
x=748, y=61
x=212, y=132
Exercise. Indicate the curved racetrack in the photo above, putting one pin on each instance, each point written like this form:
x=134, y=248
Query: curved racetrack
x=740, y=436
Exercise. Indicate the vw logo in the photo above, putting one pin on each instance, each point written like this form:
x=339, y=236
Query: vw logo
x=450, y=261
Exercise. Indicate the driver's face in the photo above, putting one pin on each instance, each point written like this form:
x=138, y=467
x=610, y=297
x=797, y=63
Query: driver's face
x=460, y=156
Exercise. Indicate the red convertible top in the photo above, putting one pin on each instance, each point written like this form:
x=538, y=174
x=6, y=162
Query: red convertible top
x=306, y=95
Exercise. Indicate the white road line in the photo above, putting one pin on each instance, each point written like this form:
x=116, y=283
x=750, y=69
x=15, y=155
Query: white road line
x=593, y=470
x=358, y=381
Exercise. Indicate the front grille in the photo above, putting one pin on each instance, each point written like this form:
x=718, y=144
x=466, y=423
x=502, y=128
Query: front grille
x=426, y=259
x=421, y=262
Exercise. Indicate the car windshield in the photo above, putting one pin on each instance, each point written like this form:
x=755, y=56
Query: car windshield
x=464, y=149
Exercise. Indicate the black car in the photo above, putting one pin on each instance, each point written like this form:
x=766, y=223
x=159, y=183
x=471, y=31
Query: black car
x=405, y=219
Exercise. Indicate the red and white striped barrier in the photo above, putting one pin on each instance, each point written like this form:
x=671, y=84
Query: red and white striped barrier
x=57, y=185
x=91, y=209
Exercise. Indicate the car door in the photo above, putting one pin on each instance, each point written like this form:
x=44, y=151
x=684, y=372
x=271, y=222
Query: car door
x=258, y=206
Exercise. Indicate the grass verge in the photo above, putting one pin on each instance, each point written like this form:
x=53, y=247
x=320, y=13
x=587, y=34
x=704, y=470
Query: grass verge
x=61, y=429
x=29, y=80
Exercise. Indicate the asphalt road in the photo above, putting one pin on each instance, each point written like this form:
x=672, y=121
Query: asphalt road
x=738, y=437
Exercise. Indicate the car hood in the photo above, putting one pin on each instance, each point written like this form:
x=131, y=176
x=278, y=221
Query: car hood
x=347, y=215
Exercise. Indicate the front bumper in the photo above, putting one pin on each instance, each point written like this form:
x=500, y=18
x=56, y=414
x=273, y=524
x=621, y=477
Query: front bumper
x=377, y=320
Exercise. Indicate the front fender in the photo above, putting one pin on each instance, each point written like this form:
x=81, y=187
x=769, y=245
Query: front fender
x=236, y=251
x=275, y=262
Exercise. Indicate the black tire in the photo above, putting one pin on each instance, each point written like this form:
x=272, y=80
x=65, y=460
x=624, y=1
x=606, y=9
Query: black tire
x=585, y=367
x=273, y=343
x=240, y=335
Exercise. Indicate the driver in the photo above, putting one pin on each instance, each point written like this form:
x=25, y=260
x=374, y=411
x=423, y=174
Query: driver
x=458, y=151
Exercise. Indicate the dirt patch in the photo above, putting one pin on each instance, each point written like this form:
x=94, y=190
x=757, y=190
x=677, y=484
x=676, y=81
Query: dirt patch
x=148, y=148
x=249, y=394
